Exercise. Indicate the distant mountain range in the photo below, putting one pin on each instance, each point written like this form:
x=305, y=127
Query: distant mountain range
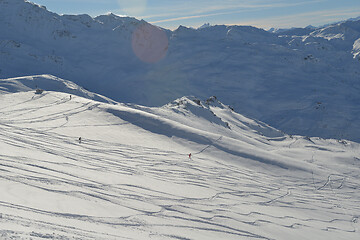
x=302, y=81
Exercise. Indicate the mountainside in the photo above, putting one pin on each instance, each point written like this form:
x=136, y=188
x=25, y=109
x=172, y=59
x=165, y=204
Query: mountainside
x=130, y=176
x=301, y=81
x=48, y=83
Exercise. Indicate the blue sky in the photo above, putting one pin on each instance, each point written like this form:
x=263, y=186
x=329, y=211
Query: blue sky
x=193, y=13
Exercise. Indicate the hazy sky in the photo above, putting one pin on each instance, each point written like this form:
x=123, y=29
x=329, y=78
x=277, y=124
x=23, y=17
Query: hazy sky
x=193, y=13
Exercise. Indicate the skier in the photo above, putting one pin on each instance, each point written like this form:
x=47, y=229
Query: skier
x=70, y=97
x=190, y=156
x=79, y=139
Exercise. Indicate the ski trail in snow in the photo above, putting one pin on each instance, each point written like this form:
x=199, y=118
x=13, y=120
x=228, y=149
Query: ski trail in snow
x=202, y=150
x=101, y=189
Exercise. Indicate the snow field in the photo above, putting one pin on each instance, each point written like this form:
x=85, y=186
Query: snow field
x=130, y=177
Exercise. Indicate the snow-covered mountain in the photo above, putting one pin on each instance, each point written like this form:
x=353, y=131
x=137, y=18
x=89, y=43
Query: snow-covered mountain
x=302, y=81
x=130, y=175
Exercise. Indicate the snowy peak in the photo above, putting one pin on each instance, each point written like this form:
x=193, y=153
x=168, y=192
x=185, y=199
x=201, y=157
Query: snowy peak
x=349, y=30
x=84, y=19
x=195, y=108
x=354, y=19
x=356, y=49
x=222, y=32
x=214, y=102
x=205, y=25
x=113, y=21
x=188, y=102
x=198, y=112
x=292, y=31
x=43, y=24
x=184, y=102
x=20, y=12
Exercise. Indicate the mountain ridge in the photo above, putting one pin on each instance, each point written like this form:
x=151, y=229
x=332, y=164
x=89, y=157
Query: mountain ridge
x=48, y=83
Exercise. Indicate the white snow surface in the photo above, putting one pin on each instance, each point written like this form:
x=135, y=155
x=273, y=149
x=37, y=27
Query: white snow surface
x=356, y=48
x=130, y=177
x=302, y=81
x=48, y=83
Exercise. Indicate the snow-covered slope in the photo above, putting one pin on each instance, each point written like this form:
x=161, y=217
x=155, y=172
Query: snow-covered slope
x=130, y=177
x=356, y=49
x=302, y=81
x=48, y=83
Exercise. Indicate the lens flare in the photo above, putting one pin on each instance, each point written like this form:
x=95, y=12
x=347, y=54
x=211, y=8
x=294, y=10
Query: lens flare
x=149, y=43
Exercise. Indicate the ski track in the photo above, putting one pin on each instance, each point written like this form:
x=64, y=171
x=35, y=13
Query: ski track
x=233, y=211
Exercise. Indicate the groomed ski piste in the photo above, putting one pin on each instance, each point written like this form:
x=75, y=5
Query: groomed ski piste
x=130, y=176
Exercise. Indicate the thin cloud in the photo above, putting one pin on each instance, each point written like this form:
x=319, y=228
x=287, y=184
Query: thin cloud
x=303, y=19
x=195, y=16
x=225, y=9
